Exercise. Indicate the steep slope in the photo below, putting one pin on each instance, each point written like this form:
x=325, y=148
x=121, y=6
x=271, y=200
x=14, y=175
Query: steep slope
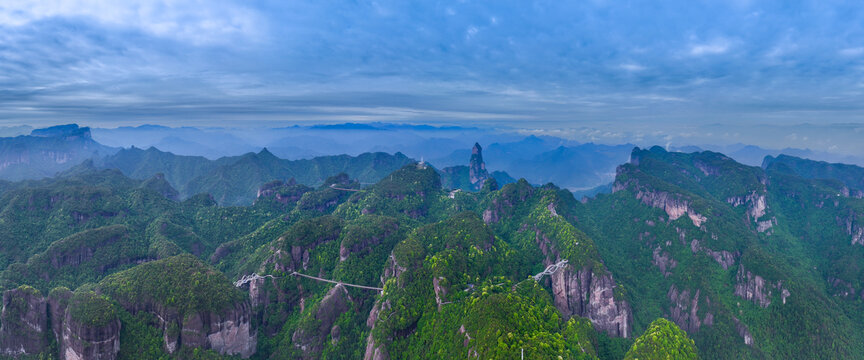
x=47, y=151
x=724, y=256
x=196, y=306
x=749, y=263
x=850, y=175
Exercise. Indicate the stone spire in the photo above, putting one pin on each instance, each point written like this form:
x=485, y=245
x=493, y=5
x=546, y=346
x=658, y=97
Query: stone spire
x=477, y=173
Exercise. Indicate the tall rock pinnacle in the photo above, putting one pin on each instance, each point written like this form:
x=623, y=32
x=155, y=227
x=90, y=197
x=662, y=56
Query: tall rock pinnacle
x=477, y=173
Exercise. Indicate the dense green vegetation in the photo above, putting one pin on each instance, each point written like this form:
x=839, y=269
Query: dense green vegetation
x=662, y=340
x=180, y=282
x=751, y=263
x=235, y=180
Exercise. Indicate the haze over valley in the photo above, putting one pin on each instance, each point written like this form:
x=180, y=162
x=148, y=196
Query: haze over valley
x=391, y=180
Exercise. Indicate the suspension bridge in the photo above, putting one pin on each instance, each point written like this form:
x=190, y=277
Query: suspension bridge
x=333, y=186
x=551, y=269
x=252, y=277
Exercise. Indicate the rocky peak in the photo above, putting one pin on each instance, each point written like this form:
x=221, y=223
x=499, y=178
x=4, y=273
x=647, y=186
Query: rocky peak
x=68, y=131
x=24, y=320
x=756, y=289
x=477, y=173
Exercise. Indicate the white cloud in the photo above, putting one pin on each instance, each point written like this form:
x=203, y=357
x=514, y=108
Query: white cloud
x=656, y=97
x=195, y=21
x=632, y=67
x=782, y=49
x=856, y=51
x=715, y=47
x=472, y=30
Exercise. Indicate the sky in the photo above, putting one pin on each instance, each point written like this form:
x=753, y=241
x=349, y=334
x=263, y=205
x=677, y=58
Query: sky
x=615, y=69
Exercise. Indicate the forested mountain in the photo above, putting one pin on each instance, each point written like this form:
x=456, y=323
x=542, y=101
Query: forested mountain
x=850, y=175
x=46, y=151
x=235, y=180
x=744, y=262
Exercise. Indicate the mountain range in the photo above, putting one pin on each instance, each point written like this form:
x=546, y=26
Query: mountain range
x=690, y=255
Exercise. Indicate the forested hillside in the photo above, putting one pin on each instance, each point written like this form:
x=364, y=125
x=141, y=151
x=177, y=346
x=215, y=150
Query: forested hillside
x=692, y=256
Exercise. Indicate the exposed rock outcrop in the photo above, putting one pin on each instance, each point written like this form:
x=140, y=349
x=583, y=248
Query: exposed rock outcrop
x=684, y=310
x=477, y=173
x=587, y=292
x=374, y=350
x=283, y=192
x=590, y=294
x=23, y=322
x=83, y=342
x=227, y=332
x=472, y=352
x=725, y=258
x=84, y=325
x=853, y=228
x=664, y=261
x=757, y=207
x=310, y=340
x=754, y=288
x=674, y=205
x=743, y=331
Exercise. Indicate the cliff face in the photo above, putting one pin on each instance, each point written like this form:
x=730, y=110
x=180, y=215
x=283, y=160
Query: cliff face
x=229, y=331
x=684, y=310
x=47, y=151
x=310, y=339
x=24, y=320
x=375, y=351
x=589, y=294
x=82, y=342
x=754, y=288
x=26, y=329
x=852, y=227
x=664, y=261
x=674, y=205
x=757, y=207
x=725, y=258
x=477, y=173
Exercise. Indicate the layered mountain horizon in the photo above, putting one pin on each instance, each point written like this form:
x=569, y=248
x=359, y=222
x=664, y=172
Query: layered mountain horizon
x=147, y=254
x=141, y=152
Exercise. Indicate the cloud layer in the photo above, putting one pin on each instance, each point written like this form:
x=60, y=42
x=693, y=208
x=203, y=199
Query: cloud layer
x=542, y=64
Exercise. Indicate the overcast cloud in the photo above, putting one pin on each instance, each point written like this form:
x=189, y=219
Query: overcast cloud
x=532, y=64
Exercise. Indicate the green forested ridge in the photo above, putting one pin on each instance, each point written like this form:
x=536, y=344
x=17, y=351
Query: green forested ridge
x=234, y=180
x=662, y=340
x=773, y=269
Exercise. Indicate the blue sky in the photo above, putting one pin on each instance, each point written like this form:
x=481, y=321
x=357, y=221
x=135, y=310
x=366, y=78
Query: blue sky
x=560, y=64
